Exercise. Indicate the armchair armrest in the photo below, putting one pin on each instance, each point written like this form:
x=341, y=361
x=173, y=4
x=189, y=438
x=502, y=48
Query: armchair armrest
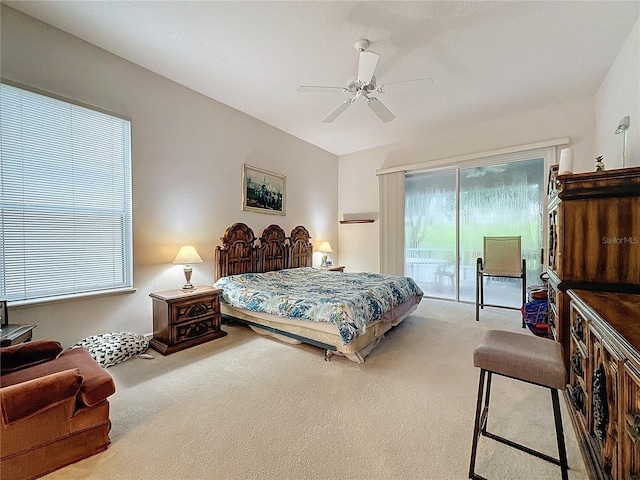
x=23, y=355
x=24, y=400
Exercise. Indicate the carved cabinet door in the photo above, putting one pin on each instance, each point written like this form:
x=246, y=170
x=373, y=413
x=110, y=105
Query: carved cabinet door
x=630, y=422
x=578, y=388
x=607, y=364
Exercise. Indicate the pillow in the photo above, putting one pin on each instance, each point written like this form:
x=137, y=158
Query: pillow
x=24, y=355
x=108, y=349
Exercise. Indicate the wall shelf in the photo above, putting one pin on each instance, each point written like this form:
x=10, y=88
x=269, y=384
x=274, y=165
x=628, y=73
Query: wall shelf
x=359, y=217
x=364, y=220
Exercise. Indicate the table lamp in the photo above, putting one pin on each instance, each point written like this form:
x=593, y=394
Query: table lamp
x=325, y=248
x=186, y=256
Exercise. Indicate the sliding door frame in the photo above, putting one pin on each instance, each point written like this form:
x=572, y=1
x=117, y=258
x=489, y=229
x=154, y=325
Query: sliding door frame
x=549, y=154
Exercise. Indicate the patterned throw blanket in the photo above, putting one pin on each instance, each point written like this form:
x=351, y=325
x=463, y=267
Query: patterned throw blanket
x=350, y=301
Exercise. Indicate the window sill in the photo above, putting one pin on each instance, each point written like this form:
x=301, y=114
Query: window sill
x=69, y=298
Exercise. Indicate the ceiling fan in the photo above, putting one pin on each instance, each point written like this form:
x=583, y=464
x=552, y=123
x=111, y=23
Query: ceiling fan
x=361, y=86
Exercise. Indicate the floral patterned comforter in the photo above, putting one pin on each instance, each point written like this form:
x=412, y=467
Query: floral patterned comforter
x=349, y=300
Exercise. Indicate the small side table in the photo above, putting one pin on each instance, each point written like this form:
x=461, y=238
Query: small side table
x=184, y=318
x=333, y=268
x=15, y=334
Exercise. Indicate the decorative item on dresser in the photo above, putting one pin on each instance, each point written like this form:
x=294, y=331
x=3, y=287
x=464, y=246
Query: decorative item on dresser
x=594, y=248
x=604, y=381
x=184, y=318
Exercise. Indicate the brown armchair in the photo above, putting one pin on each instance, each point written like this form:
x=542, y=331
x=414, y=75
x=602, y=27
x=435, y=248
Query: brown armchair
x=54, y=408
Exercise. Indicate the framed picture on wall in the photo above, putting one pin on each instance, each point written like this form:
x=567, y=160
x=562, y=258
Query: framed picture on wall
x=263, y=191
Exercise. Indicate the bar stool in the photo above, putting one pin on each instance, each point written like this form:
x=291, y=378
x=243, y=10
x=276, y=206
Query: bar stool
x=526, y=358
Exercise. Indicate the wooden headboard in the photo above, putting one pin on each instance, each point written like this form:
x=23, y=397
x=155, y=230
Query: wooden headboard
x=242, y=252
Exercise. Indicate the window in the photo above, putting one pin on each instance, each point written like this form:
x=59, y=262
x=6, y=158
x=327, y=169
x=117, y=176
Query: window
x=65, y=191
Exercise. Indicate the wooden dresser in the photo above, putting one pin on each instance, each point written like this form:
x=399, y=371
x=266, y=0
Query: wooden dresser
x=594, y=237
x=604, y=381
x=593, y=263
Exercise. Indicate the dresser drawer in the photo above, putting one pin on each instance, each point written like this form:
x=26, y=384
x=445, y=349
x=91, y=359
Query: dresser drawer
x=195, y=328
x=191, y=310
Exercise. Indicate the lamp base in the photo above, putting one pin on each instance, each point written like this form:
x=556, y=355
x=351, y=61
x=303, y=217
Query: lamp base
x=324, y=260
x=187, y=275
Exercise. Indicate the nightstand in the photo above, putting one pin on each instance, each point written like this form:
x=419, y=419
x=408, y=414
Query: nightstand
x=184, y=318
x=333, y=268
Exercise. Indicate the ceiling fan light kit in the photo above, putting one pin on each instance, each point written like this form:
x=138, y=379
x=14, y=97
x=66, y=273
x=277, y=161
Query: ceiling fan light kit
x=363, y=85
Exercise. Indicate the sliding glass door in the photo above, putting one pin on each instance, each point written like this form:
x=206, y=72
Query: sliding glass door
x=430, y=232
x=448, y=213
x=495, y=201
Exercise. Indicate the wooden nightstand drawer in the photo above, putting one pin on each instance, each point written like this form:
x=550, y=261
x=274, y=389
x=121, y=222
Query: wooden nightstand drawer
x=199, y=328
x=193, y=309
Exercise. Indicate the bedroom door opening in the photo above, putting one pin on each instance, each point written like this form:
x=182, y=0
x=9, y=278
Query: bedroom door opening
x=448, y=212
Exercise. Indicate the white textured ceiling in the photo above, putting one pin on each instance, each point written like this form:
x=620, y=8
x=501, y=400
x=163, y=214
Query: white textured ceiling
x=486, y=59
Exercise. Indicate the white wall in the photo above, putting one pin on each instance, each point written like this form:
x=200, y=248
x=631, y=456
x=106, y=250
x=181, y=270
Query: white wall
x=618, y=96
x=358, y=184
x=187, y=156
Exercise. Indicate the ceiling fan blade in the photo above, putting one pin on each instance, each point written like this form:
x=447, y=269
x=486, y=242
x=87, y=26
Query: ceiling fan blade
x=318, y=89
x=339, y=109
x=380, y=110
x=366, y=66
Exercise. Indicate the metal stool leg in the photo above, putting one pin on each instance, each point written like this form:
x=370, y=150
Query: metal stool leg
x=562, y=451
x=485, y=411
x=480, y=428
x=476, y=425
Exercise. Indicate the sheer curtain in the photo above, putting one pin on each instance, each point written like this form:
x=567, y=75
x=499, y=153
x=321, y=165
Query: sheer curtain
x=392, y=202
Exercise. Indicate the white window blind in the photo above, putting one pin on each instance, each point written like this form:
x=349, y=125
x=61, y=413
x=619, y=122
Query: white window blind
x=65, y=213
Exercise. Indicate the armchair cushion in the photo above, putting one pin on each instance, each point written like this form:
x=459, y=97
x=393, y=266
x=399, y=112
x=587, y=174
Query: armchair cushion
x=29, y=398
x=24, y=355
x=97, y=384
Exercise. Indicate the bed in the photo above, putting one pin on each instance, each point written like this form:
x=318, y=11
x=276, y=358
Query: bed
x=268, y=284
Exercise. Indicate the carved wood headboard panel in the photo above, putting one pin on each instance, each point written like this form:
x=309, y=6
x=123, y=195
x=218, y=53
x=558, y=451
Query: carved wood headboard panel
x=242, y=252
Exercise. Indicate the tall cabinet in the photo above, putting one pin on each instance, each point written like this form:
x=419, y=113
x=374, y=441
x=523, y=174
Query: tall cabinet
x=593, y=263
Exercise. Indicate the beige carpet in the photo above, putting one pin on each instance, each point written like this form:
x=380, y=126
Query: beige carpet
x=250, y=407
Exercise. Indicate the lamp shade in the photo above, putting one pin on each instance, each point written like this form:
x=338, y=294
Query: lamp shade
x=186, y=256
x=325, y=247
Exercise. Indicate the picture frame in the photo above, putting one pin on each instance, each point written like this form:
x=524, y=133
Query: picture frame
x=263, y=191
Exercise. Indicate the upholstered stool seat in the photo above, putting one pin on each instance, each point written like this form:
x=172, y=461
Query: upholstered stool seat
x=526, y=358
